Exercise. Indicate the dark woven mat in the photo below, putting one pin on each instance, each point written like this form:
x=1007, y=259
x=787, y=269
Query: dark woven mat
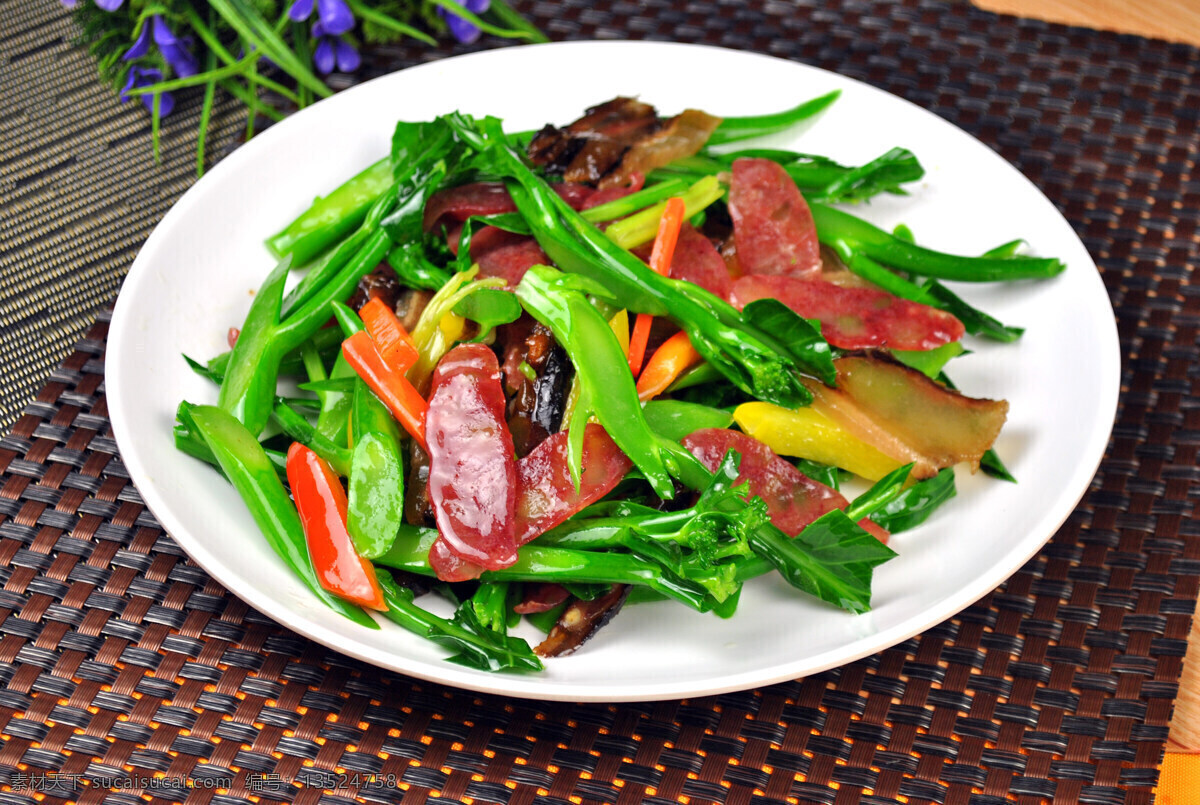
x=122, y=660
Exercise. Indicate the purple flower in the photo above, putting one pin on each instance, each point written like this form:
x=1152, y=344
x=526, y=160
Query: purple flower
x=333, y=15
x=333, y=50
x=140, y=46
x=174, y=50
x=108, y=5
x=460, y=29
x=144, y=77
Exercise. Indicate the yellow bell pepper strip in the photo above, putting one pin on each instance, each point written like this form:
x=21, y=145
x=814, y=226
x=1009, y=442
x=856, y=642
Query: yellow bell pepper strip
x=395, y=345
x=660, y=261
x=668, y=362
x=391, y=387
x=247, y=466
x=321, y=502
x=808, y=433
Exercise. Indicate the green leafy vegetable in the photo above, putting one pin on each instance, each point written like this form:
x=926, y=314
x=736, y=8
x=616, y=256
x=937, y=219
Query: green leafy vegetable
x=914, y=505
x=489, y=308
x=733, y=129
x=476, y=645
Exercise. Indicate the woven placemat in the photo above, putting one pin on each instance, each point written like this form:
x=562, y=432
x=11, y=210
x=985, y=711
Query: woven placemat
x=122, y=661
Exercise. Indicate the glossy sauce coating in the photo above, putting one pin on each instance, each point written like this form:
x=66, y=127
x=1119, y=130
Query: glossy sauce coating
x=472, y=470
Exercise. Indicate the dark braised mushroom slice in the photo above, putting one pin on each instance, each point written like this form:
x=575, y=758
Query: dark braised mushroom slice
x=580, y=620
x=536, y=405
x=411, y=305
x=418, y=508
x=380, y=283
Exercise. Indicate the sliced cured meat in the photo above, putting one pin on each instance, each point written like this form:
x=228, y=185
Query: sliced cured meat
x=546, y=496
x=793, y=499
x=681, y=136
x=617, y=139
x=472, y=471
x=905, y=415
x=697, y=260
x=854, y=317
x=511, y=261
x=488, y=198
x=541, y=598
x=592, y=146
x=773, y=227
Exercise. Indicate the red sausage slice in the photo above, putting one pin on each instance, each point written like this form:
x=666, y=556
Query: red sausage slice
x=773, y=228
x=854, y=317
x=793, y=499
x=489, y=198
x=696, y=260
x=472, y=470
x=545, y=495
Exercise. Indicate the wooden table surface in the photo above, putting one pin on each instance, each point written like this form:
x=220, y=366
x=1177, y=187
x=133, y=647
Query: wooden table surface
x=1173, y=20
x=1176, y=21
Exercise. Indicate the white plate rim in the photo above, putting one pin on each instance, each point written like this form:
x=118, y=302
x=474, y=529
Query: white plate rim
x=120, y=411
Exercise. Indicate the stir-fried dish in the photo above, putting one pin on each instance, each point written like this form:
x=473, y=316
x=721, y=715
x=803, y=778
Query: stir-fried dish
x=550, y=374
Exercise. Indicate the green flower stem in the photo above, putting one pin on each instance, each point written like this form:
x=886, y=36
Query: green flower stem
x=505, y=13
x=383, y=20
x=243, y=94
x=245, y=19
x=486, y=27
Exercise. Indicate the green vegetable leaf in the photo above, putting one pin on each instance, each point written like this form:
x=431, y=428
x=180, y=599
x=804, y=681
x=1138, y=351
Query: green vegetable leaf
x=833, y=558
x=414, y=269
x=803, y=338
x=914, y=505
x=991, y=464
x=929, y=362
x=676, y=419
x=489, y=308
x=974, y=320
x=476, y=646
x=822, y=473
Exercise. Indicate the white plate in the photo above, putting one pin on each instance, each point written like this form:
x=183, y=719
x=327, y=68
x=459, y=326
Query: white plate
x=194, y=278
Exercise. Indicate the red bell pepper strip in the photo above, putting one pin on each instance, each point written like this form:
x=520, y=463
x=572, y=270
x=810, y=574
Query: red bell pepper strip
x=393, y=341
x=660, y=261
x=392, y=387
x=673, y=358
x=321, y=501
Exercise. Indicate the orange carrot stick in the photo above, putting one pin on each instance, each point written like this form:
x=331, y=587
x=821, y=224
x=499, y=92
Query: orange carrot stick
x=395, y=344
x=668, y=362
x=660, y=260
